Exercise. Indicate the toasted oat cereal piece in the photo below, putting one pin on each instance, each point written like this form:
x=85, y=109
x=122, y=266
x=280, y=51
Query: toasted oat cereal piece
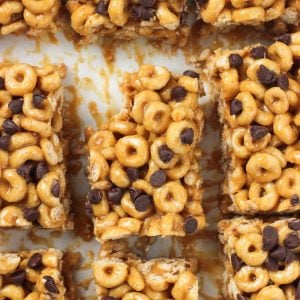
x=119, y=274
x=33, y=17
x=222, y=13
x=259, y=105
x=33, y=185
x=128, y=19
x=31, y=275
x=261, y=258
x=144, y=162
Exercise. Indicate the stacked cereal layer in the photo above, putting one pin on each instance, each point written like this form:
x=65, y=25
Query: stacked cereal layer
x=143, y=164
x=33, y=186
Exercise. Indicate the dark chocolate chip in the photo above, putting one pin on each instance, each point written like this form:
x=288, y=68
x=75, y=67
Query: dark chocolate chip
x=290, y=256
x=236, y=262
x=148, y=3
x=27, y=170
x=270, y=238
x=236, y=107
x=18, y=277
x=41, y=170
x=294, y=224
x=266, y=77
x=292, y=241
x=158, y=178
x=50, y=285
x=35, y=261
x=258, y=132
x=101, y=9
x=165, y=153
x=31, y=214
x=4, y=142
x=38, y=99
x=137, y=11
x=295, y=200
x=201, y=2
x=279, y=253
x=184, y=18
x=235, y=60
x=2, y=85
x=55, y=188
x=240, y=297
x=178, y=93
x=16, y=105
x=134, y=193
x=95, y=196
x=16, y=17
x=259, y=52
x=142, y=202
x=298, y=291
x=190, y=225
x=133, y=174
x=283, y=82
x=187, y=136
x=109, y=298
x=10, y=127
x=191, y=73
x=285, y=38
x=147, y=13
x=115, y=195
x=271, y=264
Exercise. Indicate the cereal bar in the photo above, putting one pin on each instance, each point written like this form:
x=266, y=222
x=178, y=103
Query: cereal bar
x=222, y=13
x=143, y=163
x=32, y=275
x=120, y=274
x=32, y=174
x=259, y=105
x=261, y=258
x=30, y=16
x=128, y=19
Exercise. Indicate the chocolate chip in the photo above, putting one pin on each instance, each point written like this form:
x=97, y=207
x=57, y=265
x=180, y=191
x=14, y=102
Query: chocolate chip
x=240, y=297
x=285, y=38
x=283, y=82
x=38, y=99
x=2, y=83
x=178, y=93
x=298, y=291
x=295, y=200
x=201, y=2
x=16, y=105
x=95, y=196
x=142, y=202
x=101, y=9
x=158, y=178
x=258, y=132
x=31, y=214
x=279, y=253
x=259, y=52
x=236, y=262
x=134, y=193
x=270, y=238
x=165, y=153
x=235, y=60
x=16, y=17
x=55, y=188
x=271, y=264
x=292, y=241
x=10, y=127
x=294, y=224
x=190, y=225
x=27, y=171
x=290, y=256
x=35, y=261
x=191, y=73
x=41, y=170
x=115, y=195
x=187, y=136
x=18, y=277
x=133, y=174
x=109, y=298
x=4, y=142
x=148, y=3
x=184, y=18
x=236, y=107
x=137, y=11
x=147, y=14
x=266, y=76
x=50, y=285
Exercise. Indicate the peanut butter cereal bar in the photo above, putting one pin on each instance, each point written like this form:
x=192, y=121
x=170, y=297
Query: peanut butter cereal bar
x=259, y=105
x=222, y=13
x=261, y=258
x=128, y=19
x=30, y=16
x=143, y=163
x=120, y=274
x=32, y=174
x=32, y=275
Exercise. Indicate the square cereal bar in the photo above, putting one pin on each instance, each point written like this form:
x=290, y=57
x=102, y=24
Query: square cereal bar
x=32, y=178
x=32, y=275
x=120, y=274
x=222, y=13
x=30, y=16
x=128, y=19
x=259, y=105
x=261, y=258
x=144, y=162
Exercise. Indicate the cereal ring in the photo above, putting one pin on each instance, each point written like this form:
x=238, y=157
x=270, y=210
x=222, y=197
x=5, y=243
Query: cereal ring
x=289, y=183
x=270, y=292
x=284, y=129
x=39, y=6
x=276, y=100
x=290, y=273
x=237, y=141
